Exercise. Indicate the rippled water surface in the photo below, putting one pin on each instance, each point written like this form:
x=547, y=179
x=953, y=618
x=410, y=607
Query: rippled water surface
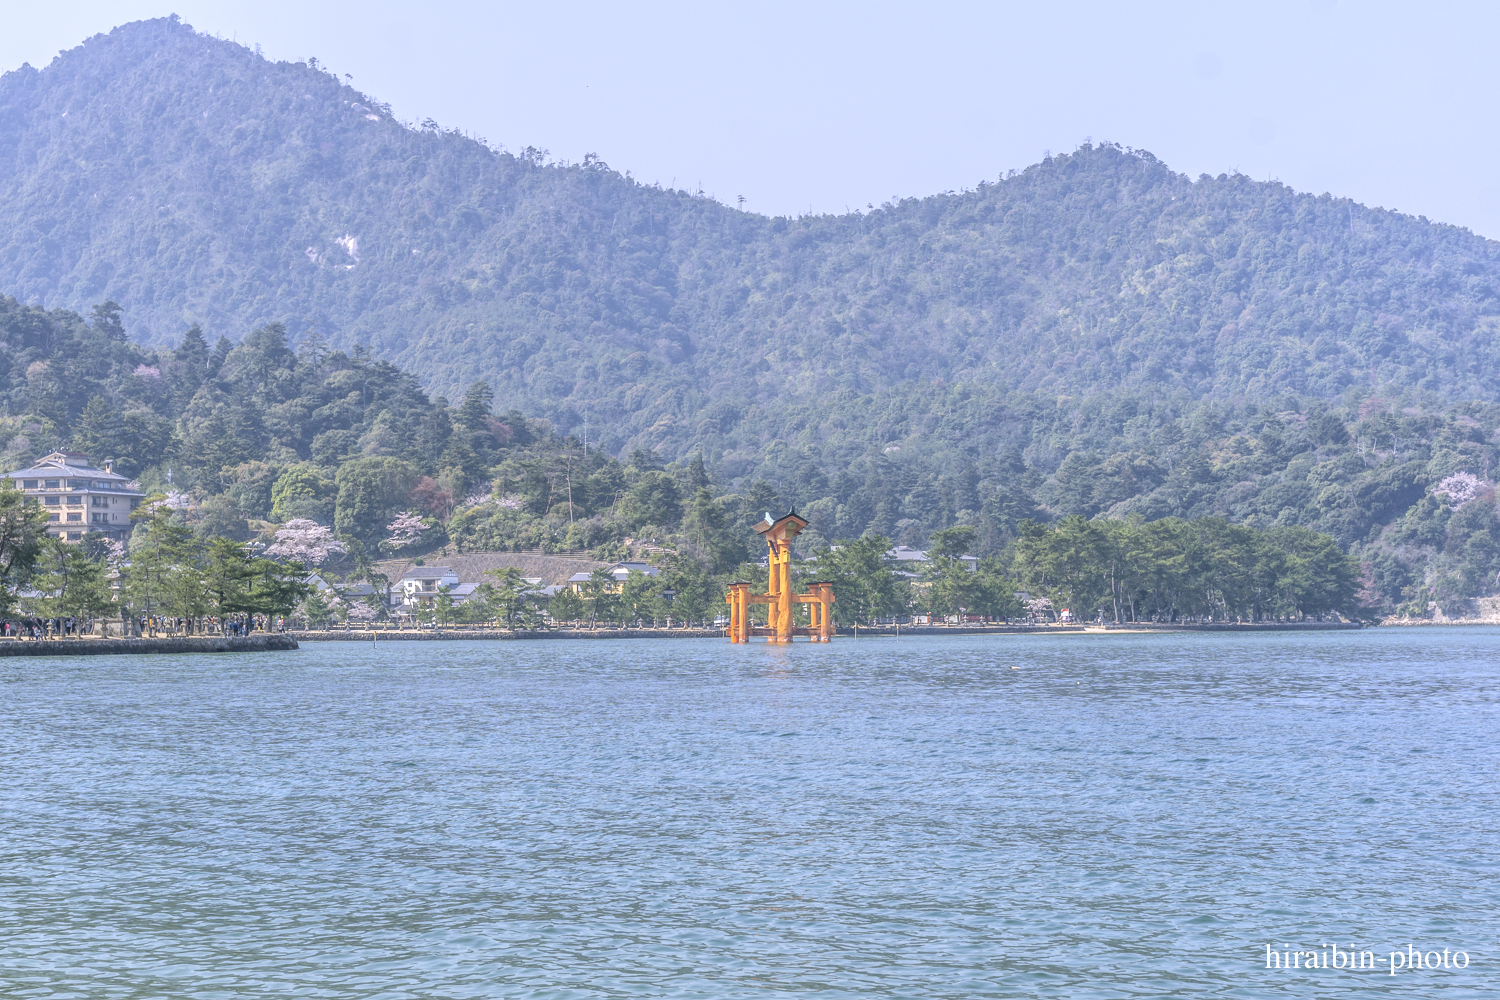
x=1070, y=816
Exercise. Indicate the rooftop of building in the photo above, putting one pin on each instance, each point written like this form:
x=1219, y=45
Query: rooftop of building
x=67, y=464
x=620, y=571
x=429, y=573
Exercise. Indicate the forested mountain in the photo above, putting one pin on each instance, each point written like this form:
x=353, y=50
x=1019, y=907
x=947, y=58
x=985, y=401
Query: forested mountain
x=1095, y=335
x=191, y=180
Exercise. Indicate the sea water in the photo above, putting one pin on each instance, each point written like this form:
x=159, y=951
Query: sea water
x=967, y=816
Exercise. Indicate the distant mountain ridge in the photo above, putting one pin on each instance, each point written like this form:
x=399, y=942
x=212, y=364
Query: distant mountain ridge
x=191, y=180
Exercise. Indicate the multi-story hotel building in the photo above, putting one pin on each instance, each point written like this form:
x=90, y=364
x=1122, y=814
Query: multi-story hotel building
x=79, y=498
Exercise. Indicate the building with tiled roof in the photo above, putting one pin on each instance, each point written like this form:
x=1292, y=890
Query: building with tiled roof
x=79, y=498
x=620, y=572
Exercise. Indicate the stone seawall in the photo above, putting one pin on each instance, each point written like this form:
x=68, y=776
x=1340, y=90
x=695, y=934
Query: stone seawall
x=1242, y=627
x=496, y=634
x=844, y=632
x=165, y=644
x=1098, y=630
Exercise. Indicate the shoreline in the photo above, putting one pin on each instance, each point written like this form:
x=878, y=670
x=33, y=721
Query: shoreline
x=1428, y=623
x=92, y=646
x=377, y=636
x=292, y=640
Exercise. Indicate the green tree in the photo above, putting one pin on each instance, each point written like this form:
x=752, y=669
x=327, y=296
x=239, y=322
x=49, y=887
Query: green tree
x=70, y=582
x=222, y=348
x=303, y=491
x=509, y=599
x=1162, y=548
x=249, y=485
x=106, y=317
x=710, y=535
x=1318, y=577
x=566, y=606
x=23, y=529
x=697, y=474
x=163, y=576
x=276, y=587
x=217, y=431
x=653, y=499
x=599, y=594
x=1224, y=557
x=220, y=517
x=994, y=593
x=228, y=572
x=953, y=586
x=134, y=439
x=371, y=492
x=1067, y=562
x=443, y=605
x=864, y=587
x=640, y=597
x=474, y=412
x=315, y=608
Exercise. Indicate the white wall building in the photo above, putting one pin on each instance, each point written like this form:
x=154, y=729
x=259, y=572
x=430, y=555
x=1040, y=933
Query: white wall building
x=79, y=498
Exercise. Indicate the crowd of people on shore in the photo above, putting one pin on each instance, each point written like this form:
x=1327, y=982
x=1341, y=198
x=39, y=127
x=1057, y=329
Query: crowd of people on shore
x=141, y=625
x=44, y=628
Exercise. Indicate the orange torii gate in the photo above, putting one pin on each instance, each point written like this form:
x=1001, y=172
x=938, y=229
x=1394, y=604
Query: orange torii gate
x=778, y=596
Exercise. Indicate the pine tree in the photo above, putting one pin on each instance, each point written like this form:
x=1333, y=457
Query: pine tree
x=697, y=474
x=707, y=528
x=94, y=433
x=191, y=368
x=221, y=352
x=193, y=351
x=474, y=412
x=70, y=582
x=106, y=317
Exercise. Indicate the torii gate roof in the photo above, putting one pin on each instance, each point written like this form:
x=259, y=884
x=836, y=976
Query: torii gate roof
x=786, y=526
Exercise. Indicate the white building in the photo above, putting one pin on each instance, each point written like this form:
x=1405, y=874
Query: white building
x=79, y=498
x=421, y=585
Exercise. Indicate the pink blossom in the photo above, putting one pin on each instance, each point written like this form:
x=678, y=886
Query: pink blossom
x=1460, y=488
x=305, y=541
x=405, y=530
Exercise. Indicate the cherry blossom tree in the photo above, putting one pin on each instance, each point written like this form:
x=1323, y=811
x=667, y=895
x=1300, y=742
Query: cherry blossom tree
x=405, y=530
x=178, y=500
x=1460, y=488
x=305, y=541
x=361, y=611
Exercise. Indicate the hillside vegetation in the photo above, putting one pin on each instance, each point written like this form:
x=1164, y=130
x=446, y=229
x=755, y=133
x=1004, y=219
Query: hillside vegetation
x=251, y=435
x=1095, y=335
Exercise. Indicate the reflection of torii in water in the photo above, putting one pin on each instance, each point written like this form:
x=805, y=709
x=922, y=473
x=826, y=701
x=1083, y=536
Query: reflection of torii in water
x=778, y=597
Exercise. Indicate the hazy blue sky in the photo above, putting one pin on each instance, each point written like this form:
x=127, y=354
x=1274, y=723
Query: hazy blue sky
x=823, y=107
